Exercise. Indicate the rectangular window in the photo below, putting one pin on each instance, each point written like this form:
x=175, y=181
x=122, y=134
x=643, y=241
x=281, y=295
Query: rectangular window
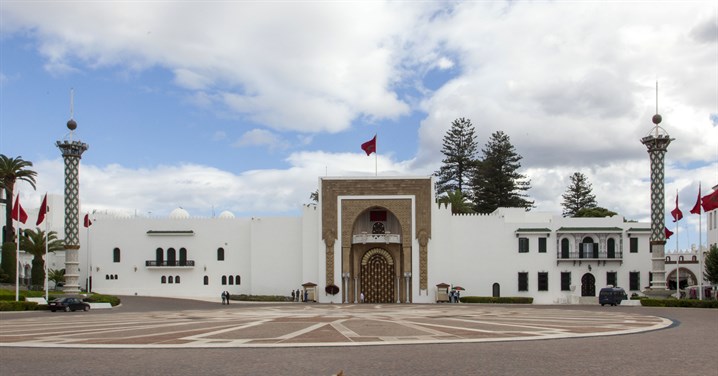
x=523, y=281
x=634, y=281
x=542, y=245
x=543, y=281
x=611, y=279
x=634, y=245
x=565, y=281
x=523, y=245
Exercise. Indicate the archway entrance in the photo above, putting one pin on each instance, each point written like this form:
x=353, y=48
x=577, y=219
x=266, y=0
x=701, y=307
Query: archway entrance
x=377, y=276
x=496, y=290
x=588, y=285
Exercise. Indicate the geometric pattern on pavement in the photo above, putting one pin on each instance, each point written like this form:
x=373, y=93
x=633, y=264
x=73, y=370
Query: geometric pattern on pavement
x=317, y=325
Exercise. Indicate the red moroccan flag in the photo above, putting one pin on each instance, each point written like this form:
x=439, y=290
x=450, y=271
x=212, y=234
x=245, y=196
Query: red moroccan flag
x=88, y=222
x=369, y=146
x=43, y=211
x=676, y=213
x=18, y=213
x=668, y=232
x=697, y=207
x=710, y=201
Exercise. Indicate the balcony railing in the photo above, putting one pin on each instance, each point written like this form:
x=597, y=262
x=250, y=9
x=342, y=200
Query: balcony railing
x=590, y=255
x=169, y=263
x=376, y=238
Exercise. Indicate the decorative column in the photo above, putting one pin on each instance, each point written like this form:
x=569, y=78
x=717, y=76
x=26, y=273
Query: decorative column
x=72, y=153
x=657, y=143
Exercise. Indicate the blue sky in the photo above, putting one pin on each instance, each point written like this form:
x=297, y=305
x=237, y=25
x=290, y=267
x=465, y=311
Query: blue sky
x=241, y=106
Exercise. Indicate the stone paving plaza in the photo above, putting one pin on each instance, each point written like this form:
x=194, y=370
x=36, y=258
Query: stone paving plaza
x=299, y=325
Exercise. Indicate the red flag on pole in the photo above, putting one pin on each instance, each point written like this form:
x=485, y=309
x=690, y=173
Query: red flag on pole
x=88, y=222
x=369, y=146
x=43, y=211
x=18, y=213
x=697, y=207
x=710, y=201
x=676, y=213
x=668, y=232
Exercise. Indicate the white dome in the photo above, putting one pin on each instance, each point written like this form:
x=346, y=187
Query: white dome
x=179, y=213
x=226, y=214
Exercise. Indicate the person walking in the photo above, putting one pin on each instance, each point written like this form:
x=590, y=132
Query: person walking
x=224, y=298
x=227, y=294
x=292, y=295
x=361, y=297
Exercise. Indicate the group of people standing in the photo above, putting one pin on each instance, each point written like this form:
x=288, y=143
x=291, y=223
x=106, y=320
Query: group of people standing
x=454, y=296
x=298, y=296
x=225, y=297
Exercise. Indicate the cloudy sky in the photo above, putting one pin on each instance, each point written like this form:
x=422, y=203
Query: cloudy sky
x=241, y=106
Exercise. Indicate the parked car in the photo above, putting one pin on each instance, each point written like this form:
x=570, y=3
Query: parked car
x=68, y=304
x=611, y=295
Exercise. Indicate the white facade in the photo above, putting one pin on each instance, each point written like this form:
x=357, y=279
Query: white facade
x=511, y=252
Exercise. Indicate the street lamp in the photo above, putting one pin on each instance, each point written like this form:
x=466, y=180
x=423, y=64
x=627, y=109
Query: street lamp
x=407, y=277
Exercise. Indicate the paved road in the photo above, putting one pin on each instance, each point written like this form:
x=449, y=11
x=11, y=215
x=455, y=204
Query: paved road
x=686, y=346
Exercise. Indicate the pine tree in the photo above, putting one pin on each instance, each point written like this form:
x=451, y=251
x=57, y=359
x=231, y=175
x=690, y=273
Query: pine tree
x=459, y=149
x=496, y=180
x=578, y=195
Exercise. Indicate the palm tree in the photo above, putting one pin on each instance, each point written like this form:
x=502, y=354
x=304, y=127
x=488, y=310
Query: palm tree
x=12, y=170
x=33, y=242
x=459, y=202
x=56, y=275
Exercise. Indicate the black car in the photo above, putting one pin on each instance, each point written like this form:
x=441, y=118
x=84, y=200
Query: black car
x=68, y=304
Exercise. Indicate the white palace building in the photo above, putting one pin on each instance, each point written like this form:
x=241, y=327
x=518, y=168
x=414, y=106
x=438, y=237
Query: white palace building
x=381, y=236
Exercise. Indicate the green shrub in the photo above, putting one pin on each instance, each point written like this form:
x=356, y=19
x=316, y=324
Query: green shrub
x=690, y=303
x=99, y=298
x=20, y=306
x=261, y=298
x=500, y=300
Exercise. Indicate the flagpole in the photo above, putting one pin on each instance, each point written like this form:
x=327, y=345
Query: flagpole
x=700, y=245
x=678, y=257
x=47, y=246
x=376, y=157
x=89, y=267
x=17, y=251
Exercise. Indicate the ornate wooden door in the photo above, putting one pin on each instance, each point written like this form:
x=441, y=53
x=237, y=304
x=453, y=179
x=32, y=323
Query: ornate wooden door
x=377, y=277
x=588, y=285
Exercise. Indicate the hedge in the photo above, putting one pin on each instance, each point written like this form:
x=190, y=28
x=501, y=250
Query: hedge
x=261, y=298
x=99, y=298
x=501, y=300
x=690, y=303
x=20, y=306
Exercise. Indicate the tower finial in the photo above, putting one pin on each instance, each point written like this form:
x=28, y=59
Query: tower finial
x=72, y=124
x=657, y=118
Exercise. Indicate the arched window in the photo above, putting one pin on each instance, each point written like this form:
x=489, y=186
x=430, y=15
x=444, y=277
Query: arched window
x=589, y=249
x=177, y=279
x=159, y=256
x=220, y=254
x=224, y=279
x=693, y=258
x=231, y=280
x=236, y=280
x=170, y=279
x=163, y=279
x=611, y=245
x=107, y=276
x=116, y=255
x=668, y=258
x=171, y=257
x=115, y=276
x=206, y=280
x=565, y=252
x=183, y=257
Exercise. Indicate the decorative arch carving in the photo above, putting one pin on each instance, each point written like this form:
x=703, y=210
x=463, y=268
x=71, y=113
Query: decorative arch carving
x=377, y=251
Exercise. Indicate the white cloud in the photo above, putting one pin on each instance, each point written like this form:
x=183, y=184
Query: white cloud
x=260, y=137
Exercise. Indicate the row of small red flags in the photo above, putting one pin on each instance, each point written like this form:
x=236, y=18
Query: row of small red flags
x=19, y=214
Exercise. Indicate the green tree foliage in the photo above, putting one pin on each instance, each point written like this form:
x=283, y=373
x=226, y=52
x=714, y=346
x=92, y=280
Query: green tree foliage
x=12, y=170
x=711, y=265
x=314, y=196
x=33, y=242
x=496, y=181
x=459, y=203
x=9, y=261
x=596, y=212
x=578, y=195
x=56, y=275
x=459, y=151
